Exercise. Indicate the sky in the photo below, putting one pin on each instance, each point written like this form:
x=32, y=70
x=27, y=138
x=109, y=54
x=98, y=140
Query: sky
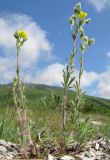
x=43, y=57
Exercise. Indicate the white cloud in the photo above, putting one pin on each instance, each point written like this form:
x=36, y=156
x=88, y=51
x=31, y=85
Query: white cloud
x=88, y=78
x=108, y=54
x=102, y=80
x=100, y=4
x=51, y=75
x=37, y=46
x=103, y=87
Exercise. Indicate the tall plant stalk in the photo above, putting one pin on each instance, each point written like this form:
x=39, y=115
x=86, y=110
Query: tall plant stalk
x=19, y=93
x=77, y=22
x=68, y=80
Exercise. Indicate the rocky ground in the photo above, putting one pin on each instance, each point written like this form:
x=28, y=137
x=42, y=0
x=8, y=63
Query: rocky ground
x=94, y=150
x=8, y=150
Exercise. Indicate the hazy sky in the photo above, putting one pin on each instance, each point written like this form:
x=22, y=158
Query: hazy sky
x=44, y=55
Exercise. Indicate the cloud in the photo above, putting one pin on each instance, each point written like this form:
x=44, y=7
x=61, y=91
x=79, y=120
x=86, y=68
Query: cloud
x=100, y=4
x=108, y=54
x=88, y=78
x=37, y=47
x=100, y=83
x=103, y=87
x=51, y=75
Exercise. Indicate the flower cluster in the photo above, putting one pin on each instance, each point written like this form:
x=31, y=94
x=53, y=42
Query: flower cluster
x=82, y=14
x=77, y=22
x=20, y=34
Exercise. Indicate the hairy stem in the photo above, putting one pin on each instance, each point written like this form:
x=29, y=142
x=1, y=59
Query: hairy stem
x=66, y=87
x=64, y=109
x=17, y=63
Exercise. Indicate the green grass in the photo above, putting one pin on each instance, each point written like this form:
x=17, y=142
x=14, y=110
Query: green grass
x=34, y=92
x=44, y=117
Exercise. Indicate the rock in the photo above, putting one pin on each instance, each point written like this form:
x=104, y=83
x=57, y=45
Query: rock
x=8, y=150
x=103, y=145
x=92, y=145
x=96, y=150
x=97, y=146
x=67, y=158
x=37, y=146
x=92, y=153
x=10, y=156
x=96, y=123
x=50, y=157
x=3, y=149
x=12, y=145
x=3, y=143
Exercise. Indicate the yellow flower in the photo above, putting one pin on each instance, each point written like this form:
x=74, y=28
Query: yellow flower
x=21, y=34
x=82, y=14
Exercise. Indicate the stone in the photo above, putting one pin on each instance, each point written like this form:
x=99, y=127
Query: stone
x=3, y=149
x=50, y=157
x=67, y=158
x=9, y=156
x=93, y=144
x=97, y=146
x=96, y=123
x=2, y=142
x=8, y=150
x=13, y=145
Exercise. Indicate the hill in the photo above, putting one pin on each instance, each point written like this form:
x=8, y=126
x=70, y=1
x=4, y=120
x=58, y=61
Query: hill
x=36, y=91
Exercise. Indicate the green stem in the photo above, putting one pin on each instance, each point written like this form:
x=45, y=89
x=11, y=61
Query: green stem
x=64, y=108
x=67, y=87
x=81, y=68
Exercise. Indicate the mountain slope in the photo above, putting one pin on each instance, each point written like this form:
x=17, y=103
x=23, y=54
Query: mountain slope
x=35, y=91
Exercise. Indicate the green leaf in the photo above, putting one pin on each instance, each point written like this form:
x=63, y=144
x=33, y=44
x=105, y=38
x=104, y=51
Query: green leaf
x=71, y=81
x=87, y=21
x=74, y=36
x=85, y=38
x=81, y=30
x=67, y=77
x=71, y=57
x=91, y=41
x=77, y=8
x=82, y=35
x=82, y=47
x=76, y=11
x=78, y=5
x=72, y=20
x=81, y=22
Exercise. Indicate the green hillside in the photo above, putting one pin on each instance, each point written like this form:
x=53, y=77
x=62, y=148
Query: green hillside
x=46, y=116
x=36, y=91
